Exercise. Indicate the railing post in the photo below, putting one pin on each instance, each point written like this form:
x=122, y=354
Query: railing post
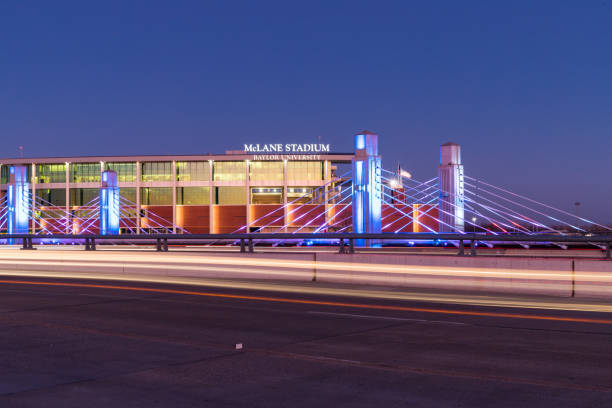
x=242, y=248
x=159, y=245
x=461, y=248
x=608, y=250
x=473, y=248
x=87, y=244
x=27, y=243
x=341, y=246
x=93, y=244
x=351, y=245
x=251, y=245
x=165, y=244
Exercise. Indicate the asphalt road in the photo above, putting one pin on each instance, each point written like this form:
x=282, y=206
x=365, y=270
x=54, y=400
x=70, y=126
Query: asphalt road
x=93, y=344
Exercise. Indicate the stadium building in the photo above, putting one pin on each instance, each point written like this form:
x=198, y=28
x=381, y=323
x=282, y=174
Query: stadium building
x=268, y=188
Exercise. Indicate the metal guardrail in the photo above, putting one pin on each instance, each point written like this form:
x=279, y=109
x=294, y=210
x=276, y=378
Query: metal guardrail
x=247, y=239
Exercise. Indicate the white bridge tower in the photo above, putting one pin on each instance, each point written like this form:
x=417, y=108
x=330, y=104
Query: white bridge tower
x=450, y=179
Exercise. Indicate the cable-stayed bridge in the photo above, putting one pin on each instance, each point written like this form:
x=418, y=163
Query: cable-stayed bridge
x=368, y=198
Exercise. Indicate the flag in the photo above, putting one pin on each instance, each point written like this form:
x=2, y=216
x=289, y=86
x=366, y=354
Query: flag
x=402, y=173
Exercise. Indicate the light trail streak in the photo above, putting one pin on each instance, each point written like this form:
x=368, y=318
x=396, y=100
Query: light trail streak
x=177, y=262
x=198, y=261
x=498, y=300
x=317, y=302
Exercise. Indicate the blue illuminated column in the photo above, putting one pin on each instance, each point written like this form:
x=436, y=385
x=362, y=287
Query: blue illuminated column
x=367, y=187
x=109, y=204
x=452, y=196
x=18, y=201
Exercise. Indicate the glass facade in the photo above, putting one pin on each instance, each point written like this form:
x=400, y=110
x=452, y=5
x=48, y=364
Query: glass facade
x=157, y=171
x=128, y=194
x=186, y=171
x=193, y=186
x=229, y=171
x=52, y=197
x=266, y=171
x=192, y=196
x=299, y=195
x=50, y=173
x=126, y=172
x=156, y=196
x=230, y=195
x=192, y=171
x=4, y=174
x=83, y=196
x=85, y=172
x=127, y=201
x=304, y=170
x=266, y=195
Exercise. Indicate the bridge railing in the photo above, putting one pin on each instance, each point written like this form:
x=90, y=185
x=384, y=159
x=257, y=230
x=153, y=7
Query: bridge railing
x=344, y=241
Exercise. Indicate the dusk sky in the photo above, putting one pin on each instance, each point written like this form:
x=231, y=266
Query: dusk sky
x=525, y=87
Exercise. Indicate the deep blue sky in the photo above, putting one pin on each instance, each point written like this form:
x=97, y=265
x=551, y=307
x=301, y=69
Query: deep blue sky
x=524, y=86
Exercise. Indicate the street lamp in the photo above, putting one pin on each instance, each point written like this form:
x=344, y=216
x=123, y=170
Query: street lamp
x=394, y=183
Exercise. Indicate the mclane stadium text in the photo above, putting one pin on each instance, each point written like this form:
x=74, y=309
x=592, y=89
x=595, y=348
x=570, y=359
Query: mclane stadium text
x=287, y=148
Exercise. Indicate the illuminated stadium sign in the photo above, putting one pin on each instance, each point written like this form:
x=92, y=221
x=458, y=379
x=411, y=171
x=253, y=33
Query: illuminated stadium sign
x=286, y=148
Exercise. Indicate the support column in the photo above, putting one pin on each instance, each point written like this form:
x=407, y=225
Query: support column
x=109, y=204
x=102, y=168
x=211, y=197
x=285, y=209
x=174, y=196
x=450, y=181
x=367, y=187
x=326, y=180
x=18, y=201
x=247, y=183
x=67, y=206
x=33, y=198
x=138, y=182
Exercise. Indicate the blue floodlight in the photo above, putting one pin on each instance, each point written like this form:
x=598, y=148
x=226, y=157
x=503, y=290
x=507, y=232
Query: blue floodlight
x=367, y=186
x=109, y=204
x=18, y=201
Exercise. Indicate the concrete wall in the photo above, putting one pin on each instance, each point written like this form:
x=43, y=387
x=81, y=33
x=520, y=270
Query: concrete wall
x=487, y=274
x=593, y=278
x=294, y=267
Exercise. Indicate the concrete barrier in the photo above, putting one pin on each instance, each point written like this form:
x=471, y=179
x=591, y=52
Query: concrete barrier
x=487, y=274
x=593, y=278
x=282, y=266
x=483, y=274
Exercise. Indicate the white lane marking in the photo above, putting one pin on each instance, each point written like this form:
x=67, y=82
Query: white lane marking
x=405, y=319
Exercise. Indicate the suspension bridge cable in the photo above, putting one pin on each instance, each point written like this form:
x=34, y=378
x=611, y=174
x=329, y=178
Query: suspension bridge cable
x=539, y=203
x=528, y=208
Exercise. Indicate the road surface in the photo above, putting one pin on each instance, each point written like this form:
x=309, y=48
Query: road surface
x=93, y=343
